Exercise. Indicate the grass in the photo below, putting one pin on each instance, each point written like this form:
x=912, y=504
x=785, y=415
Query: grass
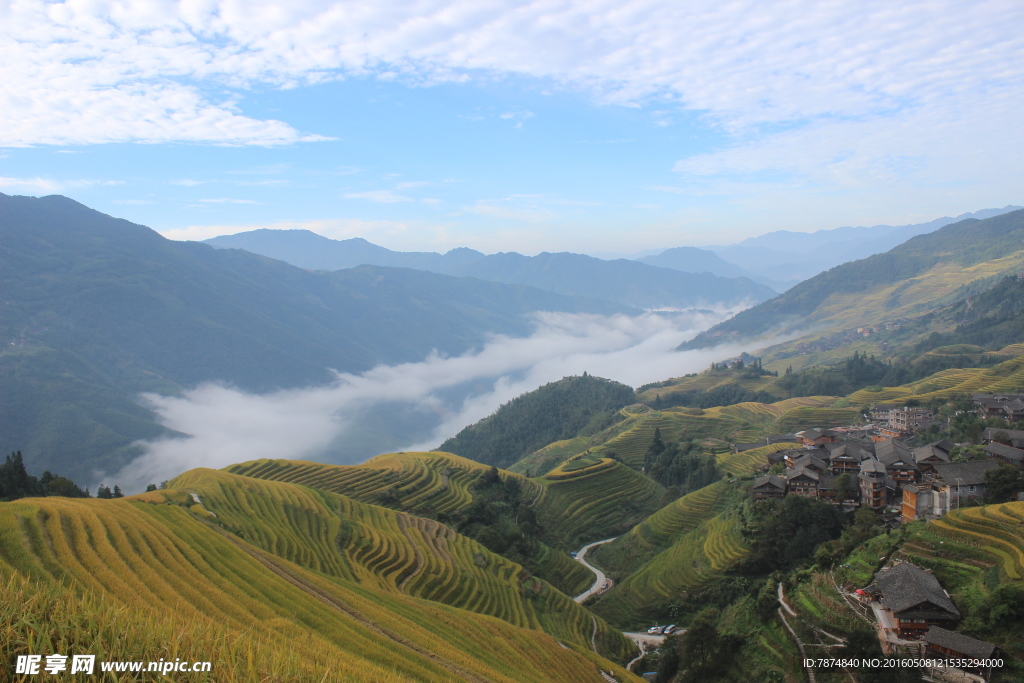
x=143, y=577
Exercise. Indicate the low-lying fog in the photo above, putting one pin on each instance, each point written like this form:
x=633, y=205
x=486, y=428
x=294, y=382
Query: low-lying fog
x=413, y=406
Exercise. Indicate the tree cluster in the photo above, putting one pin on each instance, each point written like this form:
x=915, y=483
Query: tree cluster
x=16, y=482
x=679, y=465
x=558, y=410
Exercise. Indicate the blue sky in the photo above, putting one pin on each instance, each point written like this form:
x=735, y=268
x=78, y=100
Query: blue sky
x=599, y=127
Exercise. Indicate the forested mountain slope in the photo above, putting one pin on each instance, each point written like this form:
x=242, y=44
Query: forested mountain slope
x=95, y=309
x=555, y=411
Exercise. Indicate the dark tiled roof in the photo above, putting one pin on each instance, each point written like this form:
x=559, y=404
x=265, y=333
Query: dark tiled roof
x=804, y=472
x=810, y=461
x=740, y=447
x=872, y=465
x=970, y=473
x=905, y=586
x=782, y=438
x=1012, y=433
x=1005, y=452
x=893, y=452
x=812, y=434
x=944, y=445
x=930, y=451
x=771, y=481
x=969, y=647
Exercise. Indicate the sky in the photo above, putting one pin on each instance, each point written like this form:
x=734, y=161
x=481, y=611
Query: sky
x=604, y=127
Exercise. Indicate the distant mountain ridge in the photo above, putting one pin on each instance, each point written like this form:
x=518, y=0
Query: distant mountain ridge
x=626, y=282
x=782, y=258
x=805, y=254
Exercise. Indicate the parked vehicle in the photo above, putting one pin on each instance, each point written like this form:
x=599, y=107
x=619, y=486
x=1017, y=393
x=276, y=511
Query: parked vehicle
x=668, y=630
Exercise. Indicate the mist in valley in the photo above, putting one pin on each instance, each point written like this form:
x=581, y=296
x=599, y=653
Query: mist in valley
x=412, y=406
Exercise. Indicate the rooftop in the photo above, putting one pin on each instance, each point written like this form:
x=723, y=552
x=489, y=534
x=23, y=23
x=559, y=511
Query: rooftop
x=905, y=585
x=951, y=640
x=965, y=473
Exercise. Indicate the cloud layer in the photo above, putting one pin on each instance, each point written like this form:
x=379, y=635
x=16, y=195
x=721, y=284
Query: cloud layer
x=87, y=71
x=322, y=423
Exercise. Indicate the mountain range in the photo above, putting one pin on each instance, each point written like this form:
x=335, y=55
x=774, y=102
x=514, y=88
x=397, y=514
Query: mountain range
x=623, y=281
x=96, y=309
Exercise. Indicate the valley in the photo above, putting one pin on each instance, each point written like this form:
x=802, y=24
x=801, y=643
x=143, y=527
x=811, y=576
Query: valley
x=543, y=541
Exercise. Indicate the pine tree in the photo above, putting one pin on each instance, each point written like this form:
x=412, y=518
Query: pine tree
x=117, y=492
x=104, y=492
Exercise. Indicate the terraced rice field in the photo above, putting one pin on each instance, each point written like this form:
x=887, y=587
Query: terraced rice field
x=996, y=530
x=748, y=462
x=1005, y=377
x=695, y=557
x=807, y=418
x=421, y=482
x=596, y=504
x=383, y=549
x=631, y=551
x=142, y=577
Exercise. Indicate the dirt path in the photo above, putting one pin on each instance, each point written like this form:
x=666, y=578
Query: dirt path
x=277, y=566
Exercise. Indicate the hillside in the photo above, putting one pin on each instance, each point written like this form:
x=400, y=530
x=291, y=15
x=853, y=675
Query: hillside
x=447, y=488
x=910, y=278
x=555, y=411
x=783, y=254
x=96, y=309
x=269, y=585
x=629, y=283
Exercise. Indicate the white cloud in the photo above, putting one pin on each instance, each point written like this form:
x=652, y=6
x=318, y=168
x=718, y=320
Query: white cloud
x=149, y=71
x=33, y=184
x=228, y=426
x=379, y=196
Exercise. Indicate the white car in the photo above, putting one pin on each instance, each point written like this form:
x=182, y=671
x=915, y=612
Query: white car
x=669, y=629
x=654, y=629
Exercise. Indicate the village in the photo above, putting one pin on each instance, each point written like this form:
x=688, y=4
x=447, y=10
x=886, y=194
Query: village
x=879, y=466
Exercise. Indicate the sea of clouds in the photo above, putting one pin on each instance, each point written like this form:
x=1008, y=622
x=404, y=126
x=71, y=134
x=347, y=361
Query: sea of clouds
x=412, y=406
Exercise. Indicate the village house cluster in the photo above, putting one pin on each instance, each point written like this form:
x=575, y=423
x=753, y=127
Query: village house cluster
x=875, y=465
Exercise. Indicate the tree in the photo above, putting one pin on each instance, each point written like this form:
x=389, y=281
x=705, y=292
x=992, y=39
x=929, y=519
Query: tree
x=104, y=492
x=845, y=486
x=117, y=492
x=150, y=487
x=1003, y=483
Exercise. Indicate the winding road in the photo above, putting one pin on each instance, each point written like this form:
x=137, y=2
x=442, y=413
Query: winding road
x=601, y=579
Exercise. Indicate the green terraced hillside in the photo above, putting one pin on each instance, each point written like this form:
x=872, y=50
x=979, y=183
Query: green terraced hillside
x=337, y=537
x=694, y=558
x=1007, y=376
x=150, y=577
x=595, y=502
x=425, y=484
